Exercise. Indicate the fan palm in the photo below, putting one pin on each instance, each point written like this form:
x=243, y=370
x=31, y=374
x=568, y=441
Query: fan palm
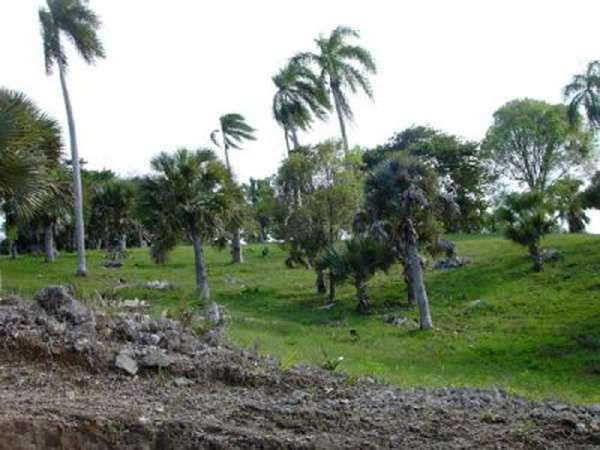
x=300, y=96
x=234, y=130
x=584, y=92
x=401, y=193
x=74, y=20
x=30, y=145
x=344, y=67
x=192, y=188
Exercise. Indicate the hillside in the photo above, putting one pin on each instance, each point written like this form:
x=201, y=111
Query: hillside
x=497, y=324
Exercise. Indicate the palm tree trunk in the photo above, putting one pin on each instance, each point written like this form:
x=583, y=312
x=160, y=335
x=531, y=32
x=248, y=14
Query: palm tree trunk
x=236, y=246
x=295, y=137
x=14, y=252
x=78, y=191
x=340, y=114
x=321, y=287
x=361, y=297
x=536, y=257
x=415, y=275
x=212, y=310
x=49, y=243
x=287, y=140
x=123, y=243
x=332, y=288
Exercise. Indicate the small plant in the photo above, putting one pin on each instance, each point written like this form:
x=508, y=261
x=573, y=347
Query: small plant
x=330, y=363
x=528, y=217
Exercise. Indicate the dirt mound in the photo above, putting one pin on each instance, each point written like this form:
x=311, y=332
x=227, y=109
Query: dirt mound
x=72, y=377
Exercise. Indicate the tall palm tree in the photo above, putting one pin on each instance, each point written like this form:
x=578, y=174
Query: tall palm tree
x=344, y=67
x=234, y=130
x=74, y=20
x=300, y=96
x=584, y=92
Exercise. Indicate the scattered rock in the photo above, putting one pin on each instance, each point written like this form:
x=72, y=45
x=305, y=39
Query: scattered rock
x=127, y=363
x=398, y=321
x=453, y=262
x=159, y=285
x=550, y=255
x=155, y=358
x=112, y=264
x=476, y=304
x=182, y=382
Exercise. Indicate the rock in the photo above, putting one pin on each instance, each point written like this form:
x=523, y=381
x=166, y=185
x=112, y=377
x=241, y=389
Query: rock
x=155, y=358
x=127, y=363
x=447, y=247
x=580, y=428
x=550, y=254
x=212, y=313
x=453, y=262
x=476, y=304
x=159, y=285
x=398, y=321
x=58, y=302
x=112, y=264
x=56, y=328
x=182, y=382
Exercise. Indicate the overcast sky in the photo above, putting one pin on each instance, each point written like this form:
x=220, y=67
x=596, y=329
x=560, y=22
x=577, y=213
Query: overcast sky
x=174, y=67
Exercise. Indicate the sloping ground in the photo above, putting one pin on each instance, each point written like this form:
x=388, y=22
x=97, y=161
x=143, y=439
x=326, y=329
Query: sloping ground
x=60, y=389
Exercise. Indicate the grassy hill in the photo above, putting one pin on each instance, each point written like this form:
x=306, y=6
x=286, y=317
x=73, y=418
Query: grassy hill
x=496, y=322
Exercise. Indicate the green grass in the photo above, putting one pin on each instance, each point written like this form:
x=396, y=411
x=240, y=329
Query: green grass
x=536, y=335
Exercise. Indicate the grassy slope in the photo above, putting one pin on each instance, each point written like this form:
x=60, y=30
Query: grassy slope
x=533, y=334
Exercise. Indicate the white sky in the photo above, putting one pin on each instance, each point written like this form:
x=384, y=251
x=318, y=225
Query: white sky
x=174, y=67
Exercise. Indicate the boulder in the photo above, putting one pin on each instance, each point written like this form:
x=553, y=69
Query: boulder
x=126, y=363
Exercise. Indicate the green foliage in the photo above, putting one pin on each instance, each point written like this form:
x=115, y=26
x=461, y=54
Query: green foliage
x=464, y=180
x=234, y=130
x=80, y=26
x=528, y=217
x=30, y=146
x=570, y=204
x=112, y=209
x=583, y=92
x=591, y=196
x=189, y=193
x=533, y=143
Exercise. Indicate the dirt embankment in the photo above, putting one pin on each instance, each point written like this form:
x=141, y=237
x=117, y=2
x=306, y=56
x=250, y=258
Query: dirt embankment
x=74, y=378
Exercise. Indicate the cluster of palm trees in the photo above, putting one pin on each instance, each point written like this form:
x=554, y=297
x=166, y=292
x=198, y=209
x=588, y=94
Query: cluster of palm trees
x=313, y=83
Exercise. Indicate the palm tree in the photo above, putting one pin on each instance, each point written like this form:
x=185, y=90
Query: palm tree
x=74, y=20
x=584, y=92
x=401, y=195
x=233, y=130
x=30, y=146
x=192, y=189
x=300, y=96
x=343, y=67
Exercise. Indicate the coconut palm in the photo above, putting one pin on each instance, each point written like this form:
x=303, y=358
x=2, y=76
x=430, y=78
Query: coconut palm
x=234, y=130
x=344, y=67
x=402, y=193
x=300, y=97
x=584, y=93
x=75, y=21
x=193, y=191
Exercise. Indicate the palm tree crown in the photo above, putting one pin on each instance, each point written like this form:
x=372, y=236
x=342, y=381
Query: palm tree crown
x=343, y=67
x=300, y=96
x=78, y=22
x=234, y=130
x=584, y=92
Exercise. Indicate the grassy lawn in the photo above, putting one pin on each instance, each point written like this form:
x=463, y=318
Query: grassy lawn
x=536, y=335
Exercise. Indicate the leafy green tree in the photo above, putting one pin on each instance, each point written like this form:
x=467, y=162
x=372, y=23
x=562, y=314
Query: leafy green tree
x=234, y=130
x=463, y=175
x=192, y=191
x=360, y=259
x=528, y=217
x=400, y=194
x=300, y=97
x=261, y=197
x=568, y=198
x=583, y=92
x=344, y=68
x=533, y=143
x=591, y=195
x=75, y=21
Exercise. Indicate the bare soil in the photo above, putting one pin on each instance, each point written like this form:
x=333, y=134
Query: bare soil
x=60, y=389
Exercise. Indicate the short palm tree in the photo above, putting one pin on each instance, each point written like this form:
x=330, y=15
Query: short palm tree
x=193, y=189
x=234, y=130
x=343, y=67
x=584, y=93
x=75, y=21
x=401, y=194
x=300, y=97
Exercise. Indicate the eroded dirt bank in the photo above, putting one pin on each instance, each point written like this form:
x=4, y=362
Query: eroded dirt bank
x=72, y=378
